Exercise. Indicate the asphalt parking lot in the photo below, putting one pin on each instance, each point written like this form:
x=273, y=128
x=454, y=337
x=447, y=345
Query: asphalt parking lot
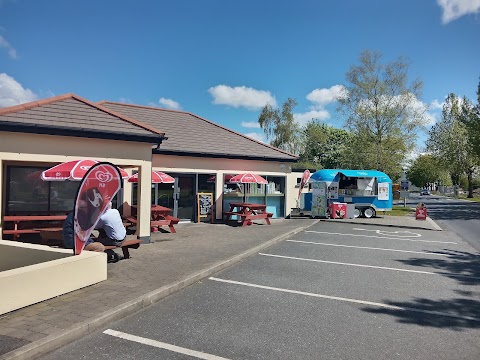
x=335, y=291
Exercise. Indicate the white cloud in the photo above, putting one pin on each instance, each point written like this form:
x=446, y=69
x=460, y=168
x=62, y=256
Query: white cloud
x=415, y=109
x=418, y=107
x=256, y=136
x=436, y=105
x=322, y=97
x=169, y=103
x=125, y=100
x=454, y=9
x=303, y=118
x=6, y=45
x=12, y=93
x=241, y=96
x=251, y=124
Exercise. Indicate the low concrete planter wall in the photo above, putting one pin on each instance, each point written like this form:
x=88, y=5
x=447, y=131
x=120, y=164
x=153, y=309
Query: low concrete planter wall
x=32, y=273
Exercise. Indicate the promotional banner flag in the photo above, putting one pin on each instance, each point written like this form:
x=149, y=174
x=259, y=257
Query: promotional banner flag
x=98, y=187
x=305, y=177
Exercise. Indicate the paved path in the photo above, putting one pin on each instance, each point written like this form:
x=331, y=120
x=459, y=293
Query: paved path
x=170, y=263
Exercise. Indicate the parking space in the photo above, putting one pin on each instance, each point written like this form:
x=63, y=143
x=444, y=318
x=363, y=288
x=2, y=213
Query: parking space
x=336, y=291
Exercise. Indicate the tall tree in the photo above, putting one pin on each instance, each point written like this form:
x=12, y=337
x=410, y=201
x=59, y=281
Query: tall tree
x=280, y=126
x=449, y=141
x=383, y=111
x=470, y=116
x=424, y=170
x=324, y=146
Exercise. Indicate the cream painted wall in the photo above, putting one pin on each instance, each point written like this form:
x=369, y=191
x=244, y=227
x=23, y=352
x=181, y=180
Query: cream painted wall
x=42, y=273
x=34, y=149
x=56, y=149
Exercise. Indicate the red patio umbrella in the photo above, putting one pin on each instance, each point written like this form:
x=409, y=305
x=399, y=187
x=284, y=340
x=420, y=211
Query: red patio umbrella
x=248, y=178
x=157, y=177
x=72, y=170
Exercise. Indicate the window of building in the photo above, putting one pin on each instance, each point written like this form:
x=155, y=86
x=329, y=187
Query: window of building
x=27, y=193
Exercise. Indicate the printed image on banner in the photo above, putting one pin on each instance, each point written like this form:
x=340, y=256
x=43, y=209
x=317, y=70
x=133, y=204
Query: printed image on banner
x=98, y=187
x=303, y=182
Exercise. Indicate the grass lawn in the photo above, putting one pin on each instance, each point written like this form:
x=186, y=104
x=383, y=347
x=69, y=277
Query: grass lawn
x=399, y=210
x=474, y=199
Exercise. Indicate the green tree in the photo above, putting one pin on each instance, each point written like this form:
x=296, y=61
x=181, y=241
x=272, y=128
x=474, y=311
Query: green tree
x=324, y=146
x=449, y=141
x=470, y=116
x=424, y=170
x=280, y=127
x=382, y=112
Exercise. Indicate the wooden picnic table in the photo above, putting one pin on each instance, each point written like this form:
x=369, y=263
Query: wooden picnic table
x=159, y=216
x=248, y=212
x=55, y=234
x=17, y=219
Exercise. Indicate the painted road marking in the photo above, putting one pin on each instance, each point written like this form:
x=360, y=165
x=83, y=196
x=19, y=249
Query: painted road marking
x=162, y=345
x=368, y=247
x=380, y=237
x=371, y=266
x=350, y=300
x=401, y=234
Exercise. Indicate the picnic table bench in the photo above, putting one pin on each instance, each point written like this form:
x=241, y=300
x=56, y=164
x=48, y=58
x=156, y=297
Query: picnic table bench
x=164, y=220
x=49, y=234
x=127, y=244
x=248, y=212
x=17, y=230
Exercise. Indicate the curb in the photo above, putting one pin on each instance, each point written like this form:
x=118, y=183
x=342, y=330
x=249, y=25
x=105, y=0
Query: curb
x=52, y=342
x=435, y=226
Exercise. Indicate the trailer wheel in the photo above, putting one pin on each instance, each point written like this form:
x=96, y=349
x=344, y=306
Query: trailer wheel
x=369, y=212
x=356, y=213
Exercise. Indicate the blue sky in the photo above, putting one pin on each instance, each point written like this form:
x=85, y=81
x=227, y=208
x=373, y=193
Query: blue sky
x=224, y=59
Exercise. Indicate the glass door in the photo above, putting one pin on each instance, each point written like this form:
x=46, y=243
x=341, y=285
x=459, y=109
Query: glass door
x=184, y=196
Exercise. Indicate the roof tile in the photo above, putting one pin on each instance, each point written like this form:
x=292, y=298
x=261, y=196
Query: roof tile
x=75, y=113
x=189, y=133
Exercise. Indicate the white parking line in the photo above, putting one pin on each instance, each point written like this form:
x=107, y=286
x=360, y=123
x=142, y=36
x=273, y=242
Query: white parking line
x=368, y=247
x=162, y=345
x=370, y=266
x=394, y=234
x=355, y=301
x=380, y=237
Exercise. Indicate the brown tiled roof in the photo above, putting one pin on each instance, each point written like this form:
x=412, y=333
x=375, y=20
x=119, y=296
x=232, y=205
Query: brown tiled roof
x=190, y=134
x=71, y=115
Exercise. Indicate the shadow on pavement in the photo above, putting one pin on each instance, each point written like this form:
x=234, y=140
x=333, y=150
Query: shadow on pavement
x=455, y=313
x=459, y=265
x=461, y=211
x=462, y=313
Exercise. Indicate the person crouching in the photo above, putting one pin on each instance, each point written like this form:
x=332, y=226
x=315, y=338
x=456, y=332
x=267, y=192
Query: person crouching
x=110, y=227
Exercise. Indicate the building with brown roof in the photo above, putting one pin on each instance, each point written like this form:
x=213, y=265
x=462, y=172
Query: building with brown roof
x=198, y=153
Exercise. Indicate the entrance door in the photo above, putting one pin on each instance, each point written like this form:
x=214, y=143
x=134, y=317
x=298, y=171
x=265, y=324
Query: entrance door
x=179, y=196
x=184, y=196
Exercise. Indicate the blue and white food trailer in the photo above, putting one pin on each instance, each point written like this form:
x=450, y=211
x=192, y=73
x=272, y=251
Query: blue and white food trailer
x=366, y=191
